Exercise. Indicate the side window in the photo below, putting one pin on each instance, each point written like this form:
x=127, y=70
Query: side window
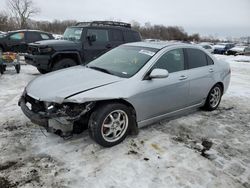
x=101, y=34
x=196, y=58
x=117, y=35
x=247, y=49
x=209, y=60
x=17, y=36
x=44, y=36
x=33, y=36
x=172, y=61
x=131, y=36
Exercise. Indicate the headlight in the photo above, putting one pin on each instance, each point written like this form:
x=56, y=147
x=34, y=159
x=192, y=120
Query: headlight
x=45, y=50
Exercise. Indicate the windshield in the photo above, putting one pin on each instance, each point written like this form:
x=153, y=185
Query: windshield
x=3, y=35
x=123, y=61
x=72, y=33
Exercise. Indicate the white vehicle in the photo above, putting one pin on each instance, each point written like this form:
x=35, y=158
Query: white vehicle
x=208, y=47
x=57, y=37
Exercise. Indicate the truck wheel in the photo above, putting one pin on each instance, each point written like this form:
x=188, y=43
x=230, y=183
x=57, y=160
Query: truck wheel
x=42, y=71
x=109, y=124
x=18, y=68
x=64, y=63
x=1, y=69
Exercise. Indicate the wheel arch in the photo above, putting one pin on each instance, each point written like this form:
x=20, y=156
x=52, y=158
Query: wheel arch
x=2, y=46
x=134, y=127
x=220, y=84
x=63, y=55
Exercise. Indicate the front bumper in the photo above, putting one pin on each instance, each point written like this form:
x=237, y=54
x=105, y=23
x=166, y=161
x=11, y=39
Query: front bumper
x=34, y=117
x=39, y=61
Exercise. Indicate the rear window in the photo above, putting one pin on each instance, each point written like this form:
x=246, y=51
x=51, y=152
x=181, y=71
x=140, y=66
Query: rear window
x=209, y=60
x=45, y=36
x=196, y=58
x=131, y=36
x=33, y=36
x=117, y=35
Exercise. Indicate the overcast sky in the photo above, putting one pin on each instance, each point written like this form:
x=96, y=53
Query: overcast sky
x=207, y=17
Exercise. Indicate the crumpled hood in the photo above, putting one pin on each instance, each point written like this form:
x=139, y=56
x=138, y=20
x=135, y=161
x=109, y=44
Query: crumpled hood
x=56, y=86
x=67, y=44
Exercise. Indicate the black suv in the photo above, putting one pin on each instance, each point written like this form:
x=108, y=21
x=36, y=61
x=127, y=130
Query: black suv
x=81, y=43
x=17, y=41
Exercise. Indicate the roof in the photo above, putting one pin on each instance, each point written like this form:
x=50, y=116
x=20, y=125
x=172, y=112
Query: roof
x=31, y=30
x=105, y=24
x=156, y=45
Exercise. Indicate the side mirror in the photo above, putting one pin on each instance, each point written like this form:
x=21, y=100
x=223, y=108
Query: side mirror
x=158, y=73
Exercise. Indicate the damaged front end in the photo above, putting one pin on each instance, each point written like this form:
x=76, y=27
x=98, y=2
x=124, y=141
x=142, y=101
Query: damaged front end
x=57, y=118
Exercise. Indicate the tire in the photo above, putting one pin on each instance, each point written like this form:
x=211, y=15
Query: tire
x=64, y=63
x=213, y=98
x=1, y=69
x=108, y=131
x=42, y=71
x=18, y=68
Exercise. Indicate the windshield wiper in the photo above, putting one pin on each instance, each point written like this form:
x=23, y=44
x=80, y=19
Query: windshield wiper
x=100, y=69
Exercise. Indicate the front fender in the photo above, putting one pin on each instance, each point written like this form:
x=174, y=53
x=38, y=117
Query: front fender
x=76, y=53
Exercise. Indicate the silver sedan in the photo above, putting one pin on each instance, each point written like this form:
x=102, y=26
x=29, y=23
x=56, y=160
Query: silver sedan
x=131, y=86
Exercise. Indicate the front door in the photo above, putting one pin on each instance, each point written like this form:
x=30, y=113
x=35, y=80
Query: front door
x=163, y=95
x=97, y=42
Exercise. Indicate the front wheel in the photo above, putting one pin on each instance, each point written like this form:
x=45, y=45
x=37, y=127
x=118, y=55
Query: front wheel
x=42, y=71
x=2, y=69
x=213, y=98
x=109, y=124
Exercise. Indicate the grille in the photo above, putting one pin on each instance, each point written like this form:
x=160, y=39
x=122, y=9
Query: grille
x=33, y=50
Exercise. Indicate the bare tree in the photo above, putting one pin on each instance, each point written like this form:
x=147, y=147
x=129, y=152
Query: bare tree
x=22, y=10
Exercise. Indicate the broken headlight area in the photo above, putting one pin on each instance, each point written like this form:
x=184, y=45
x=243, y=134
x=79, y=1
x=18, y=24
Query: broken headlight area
x=68, y=111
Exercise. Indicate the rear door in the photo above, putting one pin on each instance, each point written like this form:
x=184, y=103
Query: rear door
x=32, y=37
x=200, y=74
x=93, y=49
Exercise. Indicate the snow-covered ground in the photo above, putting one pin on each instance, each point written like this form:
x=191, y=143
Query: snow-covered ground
x=162, y=155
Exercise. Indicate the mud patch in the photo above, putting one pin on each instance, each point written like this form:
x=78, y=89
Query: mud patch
x=7, y=165
x=4, y=183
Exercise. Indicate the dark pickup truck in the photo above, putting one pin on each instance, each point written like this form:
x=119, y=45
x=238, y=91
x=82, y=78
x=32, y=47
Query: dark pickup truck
x=81, y=43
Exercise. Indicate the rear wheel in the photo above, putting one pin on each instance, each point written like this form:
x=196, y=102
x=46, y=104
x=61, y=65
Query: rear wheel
x=109, y=124
x=213, y=98
x=64, y=63
x=42, y=71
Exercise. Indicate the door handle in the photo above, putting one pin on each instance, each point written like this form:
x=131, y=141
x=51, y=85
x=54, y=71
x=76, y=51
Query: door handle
x=211, y=70
x=183, y=77
x=108, y=46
